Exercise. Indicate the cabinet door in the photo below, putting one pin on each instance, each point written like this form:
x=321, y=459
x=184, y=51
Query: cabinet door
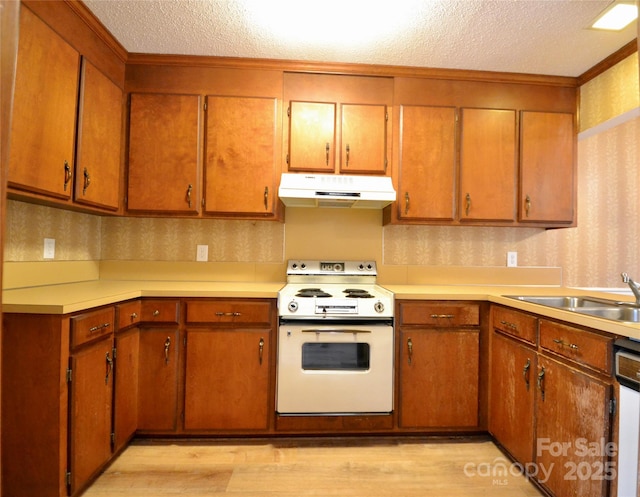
x=227, y=380
x=427, y=162
x=512, y=394
x=364, y=139
x=44, y=111
x=97, y=178
x=547, y=167
x=90, y=411
x=312, y=136
x=158, y=380
x=573, y=428
x=240, y=163
x=125, y=416
x=164, y=153
x=438, y=378
x=488, y=165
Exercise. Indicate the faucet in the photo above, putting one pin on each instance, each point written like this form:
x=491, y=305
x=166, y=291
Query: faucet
x=633, y=285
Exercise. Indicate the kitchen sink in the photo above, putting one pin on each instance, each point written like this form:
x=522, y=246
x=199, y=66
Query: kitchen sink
x=592, y=306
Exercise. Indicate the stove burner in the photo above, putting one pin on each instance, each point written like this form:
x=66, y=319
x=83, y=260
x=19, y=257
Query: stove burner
x=357, y=293
x=312, y=292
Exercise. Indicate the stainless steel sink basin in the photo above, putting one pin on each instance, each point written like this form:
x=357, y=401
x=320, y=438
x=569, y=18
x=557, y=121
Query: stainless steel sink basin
x=592, y=306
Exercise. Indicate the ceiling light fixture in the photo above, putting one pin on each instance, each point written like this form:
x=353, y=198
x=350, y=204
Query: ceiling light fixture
x=617, y=17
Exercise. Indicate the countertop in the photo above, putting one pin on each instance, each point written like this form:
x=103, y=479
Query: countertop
x=75, y=297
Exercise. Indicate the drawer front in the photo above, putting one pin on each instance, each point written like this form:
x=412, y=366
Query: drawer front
x=229, y=311
x=515, y=323
x=439, y=314
x=92, y=325
x=160, y=311
x=129, y=314
x=586, y=348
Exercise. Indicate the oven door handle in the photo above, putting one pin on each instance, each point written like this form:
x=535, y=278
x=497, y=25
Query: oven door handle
x=334, y=330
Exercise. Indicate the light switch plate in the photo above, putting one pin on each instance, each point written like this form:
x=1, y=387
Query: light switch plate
x=202, y=253
x=512, y=259
x=49, y=248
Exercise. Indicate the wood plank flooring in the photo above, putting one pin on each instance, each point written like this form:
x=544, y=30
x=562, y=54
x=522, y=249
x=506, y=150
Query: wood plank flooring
x=346, y=467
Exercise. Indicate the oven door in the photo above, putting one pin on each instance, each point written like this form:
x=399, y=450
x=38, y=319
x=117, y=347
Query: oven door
x=335, y=368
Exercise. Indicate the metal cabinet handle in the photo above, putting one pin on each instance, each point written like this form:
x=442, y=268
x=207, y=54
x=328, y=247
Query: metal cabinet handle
x=109, y=368
x=261, y=349
x=541, y=382
x=87, y=181
x=467, y=205
x=156, y=312
x=134, y=315
x=229, y=314
x=406, y=202
x=527, y=205
x=99, y=327
x=189, y=190
x=526, y=373
x=266, y=198
x=513, y=327
x=167, y=344
x=326, y=149
x=348, y=150
x=409, y=350
x=562, y=343
x=442, y=316
x=67, y=174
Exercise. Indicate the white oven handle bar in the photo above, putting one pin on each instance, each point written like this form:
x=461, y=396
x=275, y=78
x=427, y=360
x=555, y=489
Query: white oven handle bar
x=334, y=330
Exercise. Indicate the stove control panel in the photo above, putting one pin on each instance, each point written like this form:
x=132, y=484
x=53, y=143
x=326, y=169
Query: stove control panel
x=349, y=268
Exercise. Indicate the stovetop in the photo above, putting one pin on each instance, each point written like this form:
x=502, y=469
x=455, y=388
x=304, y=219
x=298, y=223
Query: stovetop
x=334, y=289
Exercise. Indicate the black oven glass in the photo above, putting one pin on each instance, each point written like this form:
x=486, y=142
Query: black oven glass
x=335, y=356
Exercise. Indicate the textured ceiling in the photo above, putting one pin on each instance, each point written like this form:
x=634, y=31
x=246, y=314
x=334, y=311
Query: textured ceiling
x=549, y=37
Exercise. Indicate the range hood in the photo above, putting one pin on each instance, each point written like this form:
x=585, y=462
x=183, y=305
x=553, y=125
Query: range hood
x=336, y=190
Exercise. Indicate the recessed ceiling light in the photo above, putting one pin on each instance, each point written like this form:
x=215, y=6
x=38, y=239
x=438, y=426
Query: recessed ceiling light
x=617, y=17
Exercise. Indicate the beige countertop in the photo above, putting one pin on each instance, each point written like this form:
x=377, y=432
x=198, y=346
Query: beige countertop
x=75, y=297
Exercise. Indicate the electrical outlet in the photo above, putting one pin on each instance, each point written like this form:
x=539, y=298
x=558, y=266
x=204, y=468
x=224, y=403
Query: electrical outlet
x=49, y=248
x=512, y=259
x=202, y=253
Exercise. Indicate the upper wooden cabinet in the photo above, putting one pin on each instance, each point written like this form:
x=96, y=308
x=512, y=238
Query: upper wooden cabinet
x=164, y=153
x=45, y=101
x=487, y=165
x=468, y=153
x=547, y=167
x=337, y=124
x=97, y=177
x=427, y=165
x=67, y=125
x=240, y=156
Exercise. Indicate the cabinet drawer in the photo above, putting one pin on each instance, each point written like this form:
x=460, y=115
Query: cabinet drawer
x=439, y=314
x=129, y=314
x=160, y=311
x=515, y=323
x=586, y=348
x=229, y=311
x=92, y=325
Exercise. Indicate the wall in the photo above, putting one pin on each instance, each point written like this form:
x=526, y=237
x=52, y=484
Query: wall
x=592, y=254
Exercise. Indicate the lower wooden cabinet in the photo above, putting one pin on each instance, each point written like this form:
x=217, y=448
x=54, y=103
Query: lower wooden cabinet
x=227, y=380
x=512, y=394
x=551, y=401
x=439, y=369
x=439, y=379
x=158, y=380
x=125, y=403
x=572, y=431
x=91, y=393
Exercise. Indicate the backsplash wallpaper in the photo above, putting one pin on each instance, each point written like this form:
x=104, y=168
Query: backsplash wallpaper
x=593, y=254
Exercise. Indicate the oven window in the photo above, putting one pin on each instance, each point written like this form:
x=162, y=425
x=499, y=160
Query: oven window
x=335, y=356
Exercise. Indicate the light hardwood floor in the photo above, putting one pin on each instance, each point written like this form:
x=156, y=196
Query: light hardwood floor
x=357, y=467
